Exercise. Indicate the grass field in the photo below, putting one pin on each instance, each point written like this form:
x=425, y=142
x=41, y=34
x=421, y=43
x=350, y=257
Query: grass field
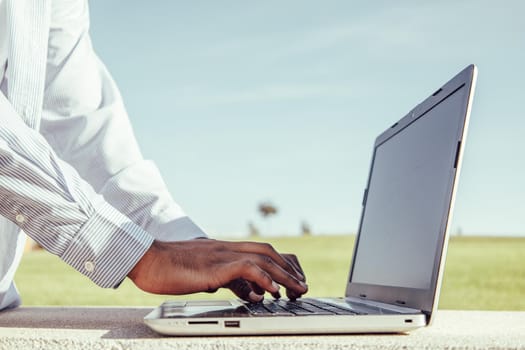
x=481, y=273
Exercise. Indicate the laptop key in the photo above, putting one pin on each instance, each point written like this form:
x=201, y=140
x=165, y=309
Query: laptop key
x=300, y=309
x=314, y=309
x=304, y=307
x=266, y=309
x=275, y=309
x=256, y=308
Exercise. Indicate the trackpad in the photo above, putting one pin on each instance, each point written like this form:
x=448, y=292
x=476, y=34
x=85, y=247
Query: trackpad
x=202, y=308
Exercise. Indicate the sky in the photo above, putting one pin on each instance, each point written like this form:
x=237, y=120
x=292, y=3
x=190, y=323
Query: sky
x=244, y=102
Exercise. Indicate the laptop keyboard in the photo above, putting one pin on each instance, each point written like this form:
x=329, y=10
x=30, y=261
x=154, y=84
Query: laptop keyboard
x=300, y=307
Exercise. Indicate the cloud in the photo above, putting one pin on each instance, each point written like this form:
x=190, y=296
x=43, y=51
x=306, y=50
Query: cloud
x=412, y=30
x=192, y=96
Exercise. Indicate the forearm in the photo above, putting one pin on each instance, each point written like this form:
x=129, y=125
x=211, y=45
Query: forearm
x=49, y=200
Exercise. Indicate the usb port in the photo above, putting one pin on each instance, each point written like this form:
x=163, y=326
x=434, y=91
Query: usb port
x=232, y=324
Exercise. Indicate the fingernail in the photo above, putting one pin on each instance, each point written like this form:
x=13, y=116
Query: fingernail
x=275, y=286
x=304, y=285
x=254, y=297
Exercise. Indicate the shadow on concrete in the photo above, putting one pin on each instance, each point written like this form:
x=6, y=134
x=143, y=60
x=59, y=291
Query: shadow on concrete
x=120, y=323
x=137, y=331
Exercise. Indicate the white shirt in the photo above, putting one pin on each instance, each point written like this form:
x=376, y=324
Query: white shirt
x=72, y=175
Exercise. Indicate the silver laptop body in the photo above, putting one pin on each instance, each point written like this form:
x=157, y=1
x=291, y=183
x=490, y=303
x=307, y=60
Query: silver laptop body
x=399, y=254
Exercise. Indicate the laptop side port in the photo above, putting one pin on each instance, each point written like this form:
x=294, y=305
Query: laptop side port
x=203, y=322
x=232, y=324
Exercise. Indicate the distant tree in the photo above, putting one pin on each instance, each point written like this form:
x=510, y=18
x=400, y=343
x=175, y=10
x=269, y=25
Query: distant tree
x=305, y=229
x=267, y=209
x=254, y=231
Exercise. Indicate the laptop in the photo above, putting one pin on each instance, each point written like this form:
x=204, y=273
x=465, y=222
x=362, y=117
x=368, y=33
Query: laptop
x=399, y=252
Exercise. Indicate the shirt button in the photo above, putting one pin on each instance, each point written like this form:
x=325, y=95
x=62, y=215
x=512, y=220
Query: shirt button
x=20, y=218
x=89, y=266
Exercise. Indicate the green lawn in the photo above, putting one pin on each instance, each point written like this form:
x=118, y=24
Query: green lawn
x=481, y=273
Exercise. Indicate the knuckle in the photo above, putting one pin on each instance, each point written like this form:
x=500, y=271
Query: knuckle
x=267, y=260
x=265, y=276
x=267, y=247
x=292, y=257
x=246, y=264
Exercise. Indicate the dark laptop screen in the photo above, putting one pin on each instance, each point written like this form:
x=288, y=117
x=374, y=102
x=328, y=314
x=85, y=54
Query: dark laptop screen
x=408, y=199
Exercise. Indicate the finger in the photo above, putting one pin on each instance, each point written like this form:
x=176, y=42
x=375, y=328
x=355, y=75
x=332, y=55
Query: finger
x=249, y=291
x=292, y=259
x=268, y=250
x=247, y=269
x=256, y=288
x=277, y=274
x=243, y=290
x=259, y=291
x=290, y=281
x=292, y=295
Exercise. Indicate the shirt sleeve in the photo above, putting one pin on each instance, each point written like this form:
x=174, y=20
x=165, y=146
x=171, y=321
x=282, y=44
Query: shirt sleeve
x=85, y=121
x=48, y=199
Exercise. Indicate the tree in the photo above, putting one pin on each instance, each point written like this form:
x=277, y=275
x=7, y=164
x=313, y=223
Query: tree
x=254, y=231
x=305, y=229
x=267, y=209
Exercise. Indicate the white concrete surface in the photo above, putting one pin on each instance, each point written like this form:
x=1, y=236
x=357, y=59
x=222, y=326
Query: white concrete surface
x=122, y=328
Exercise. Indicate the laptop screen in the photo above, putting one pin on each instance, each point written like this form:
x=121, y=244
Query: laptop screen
x=408, y=199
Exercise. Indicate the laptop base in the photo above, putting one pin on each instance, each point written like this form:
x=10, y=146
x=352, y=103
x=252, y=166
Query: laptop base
x=231, y=317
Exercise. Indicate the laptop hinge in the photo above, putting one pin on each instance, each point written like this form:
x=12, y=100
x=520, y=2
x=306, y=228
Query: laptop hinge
x=365, y=197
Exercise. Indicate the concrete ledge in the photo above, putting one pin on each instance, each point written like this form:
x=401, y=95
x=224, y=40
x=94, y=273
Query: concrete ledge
x=122, y=328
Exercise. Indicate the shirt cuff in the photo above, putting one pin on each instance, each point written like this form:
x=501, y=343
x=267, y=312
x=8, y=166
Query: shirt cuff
x=180, y=229
x=107, y=247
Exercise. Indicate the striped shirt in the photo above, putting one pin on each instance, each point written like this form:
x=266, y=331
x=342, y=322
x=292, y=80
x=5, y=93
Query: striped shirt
x=74, y=178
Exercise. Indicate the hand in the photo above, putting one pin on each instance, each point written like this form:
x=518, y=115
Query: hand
x=251, y=292
x=248, y=268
